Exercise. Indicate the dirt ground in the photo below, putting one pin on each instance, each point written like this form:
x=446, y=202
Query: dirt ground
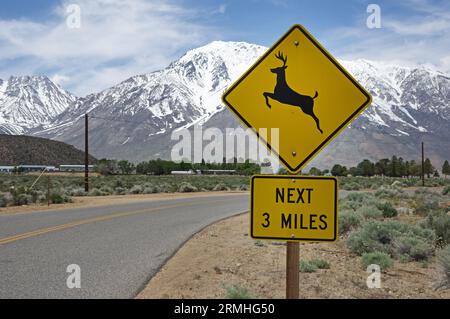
x=94, y=201
x=223, y=255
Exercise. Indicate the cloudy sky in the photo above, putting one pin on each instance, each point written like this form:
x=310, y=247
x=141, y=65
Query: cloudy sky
x=116, y=39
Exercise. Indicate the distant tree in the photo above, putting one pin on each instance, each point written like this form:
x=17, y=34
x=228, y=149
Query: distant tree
x=339, y=170
x=436, y=173
x=446, y=168
x=365, y=168
x=125, y=167
x=354, y=171
x=381, y=167
x=428, y=167
x=414, y=168
x=315, y=171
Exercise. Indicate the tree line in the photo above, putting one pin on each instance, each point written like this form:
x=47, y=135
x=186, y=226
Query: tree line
x=165, y=167
x=393, y=167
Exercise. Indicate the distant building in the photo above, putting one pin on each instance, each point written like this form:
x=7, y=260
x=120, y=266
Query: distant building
x=74, y=168
x=35, y=168
x=189, y=172
x=6, y=169
x=219, y=171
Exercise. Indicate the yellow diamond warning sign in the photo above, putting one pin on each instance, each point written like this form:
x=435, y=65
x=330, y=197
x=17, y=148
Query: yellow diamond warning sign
x=299, y=88
x=293, y=208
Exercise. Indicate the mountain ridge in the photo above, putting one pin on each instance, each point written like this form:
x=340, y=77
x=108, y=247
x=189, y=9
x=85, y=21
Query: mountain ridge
x=134, y=119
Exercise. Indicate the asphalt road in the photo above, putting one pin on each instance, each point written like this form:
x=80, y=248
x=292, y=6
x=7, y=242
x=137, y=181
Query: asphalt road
x=118, y=248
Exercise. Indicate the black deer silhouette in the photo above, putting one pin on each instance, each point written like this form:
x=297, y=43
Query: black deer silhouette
x=284, y=94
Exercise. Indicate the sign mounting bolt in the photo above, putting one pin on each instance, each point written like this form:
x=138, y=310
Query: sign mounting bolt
x=296, y=43
x=294, y=153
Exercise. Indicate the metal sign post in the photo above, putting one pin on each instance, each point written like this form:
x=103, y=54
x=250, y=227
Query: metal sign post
x=292, y=270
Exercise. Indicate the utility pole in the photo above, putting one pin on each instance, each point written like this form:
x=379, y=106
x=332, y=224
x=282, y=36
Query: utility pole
x=423, y=167
x=86, y=154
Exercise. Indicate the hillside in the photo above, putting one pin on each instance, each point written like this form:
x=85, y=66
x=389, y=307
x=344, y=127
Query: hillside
x=135, y=119
x=20, y=149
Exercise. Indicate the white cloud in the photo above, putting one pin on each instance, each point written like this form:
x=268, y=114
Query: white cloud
x=222, y=8
x=117, y=39
x=423, y=37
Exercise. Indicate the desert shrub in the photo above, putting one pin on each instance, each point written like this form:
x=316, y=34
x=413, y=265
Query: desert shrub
x=446, y=190
x=308, y=266
x=187, y=188
x=370, y=212
x=378, y=258
x=243, y=187
x=97, y=192
x=352, y=186
x=237, y=292
x=76, y=192
x=390, y=237
x=321, y=264
x=120, y=191
x=106, y=190
x=387, y=209
x=349, y=220
x=22, y=199
x=57, y=198
x=444, y=262
x=150, y=189
x=388, y=192
x=413, y=248
x=439, y=222
x=356, y=200
x=425, y=205
x=220, y=187
x=3, y=200
x=136, y=189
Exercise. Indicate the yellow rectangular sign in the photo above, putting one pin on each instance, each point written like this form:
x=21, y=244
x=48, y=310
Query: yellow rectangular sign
x=294, y=208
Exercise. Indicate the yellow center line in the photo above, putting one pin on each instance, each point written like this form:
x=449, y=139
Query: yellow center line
x=42, y=231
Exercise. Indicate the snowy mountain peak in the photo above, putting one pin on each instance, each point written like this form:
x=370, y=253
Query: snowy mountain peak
x=27, y=102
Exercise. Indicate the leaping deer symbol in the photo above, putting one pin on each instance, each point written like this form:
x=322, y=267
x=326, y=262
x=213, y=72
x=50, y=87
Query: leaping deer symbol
x=284, y=94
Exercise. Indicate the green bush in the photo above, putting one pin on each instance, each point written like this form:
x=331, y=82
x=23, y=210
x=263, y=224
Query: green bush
x=413, y=248
x=22, y=199
x=220, y=187
x=370, y=212
x=349, y=220
x=425, y=205
x=387, y=209
x=393, y=238
x=439, y=222
x=237, y=292
x=388, y=192
x=56, y=198
x=120, y=191
x=378, y=258
x=321, y=264
x=446, y=190
x=187, y=188
x=309, y=266
x=3, y=200
x=136, y=189
x=356, y=200
x=444, y=262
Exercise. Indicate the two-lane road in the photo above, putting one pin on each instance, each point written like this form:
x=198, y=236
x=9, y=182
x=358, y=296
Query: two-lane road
x=118, y=247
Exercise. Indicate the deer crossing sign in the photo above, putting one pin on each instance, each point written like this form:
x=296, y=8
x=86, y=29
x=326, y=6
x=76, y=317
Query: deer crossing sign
x=293, y=208
x=298, y=88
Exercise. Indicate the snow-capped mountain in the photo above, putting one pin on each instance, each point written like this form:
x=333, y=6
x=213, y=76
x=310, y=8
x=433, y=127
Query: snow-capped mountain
x=30, y=101
x=135, y=118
